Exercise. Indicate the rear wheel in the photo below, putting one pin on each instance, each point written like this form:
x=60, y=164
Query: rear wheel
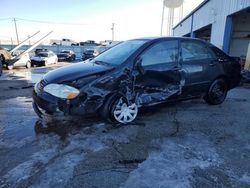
x=217, y=92
x=1, y=67
x=116, y=109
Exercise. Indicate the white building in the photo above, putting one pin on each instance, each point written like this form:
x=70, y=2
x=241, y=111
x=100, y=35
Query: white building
x=224, y=23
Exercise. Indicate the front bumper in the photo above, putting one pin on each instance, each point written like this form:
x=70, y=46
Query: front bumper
x=63, y=58
x=44, y=103
x=38, y=63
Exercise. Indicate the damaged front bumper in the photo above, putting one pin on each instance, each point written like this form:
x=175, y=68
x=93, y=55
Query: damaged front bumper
x=44, y=103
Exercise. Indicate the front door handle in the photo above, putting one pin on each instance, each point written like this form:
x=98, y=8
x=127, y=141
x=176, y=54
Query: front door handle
x=176, y=68
x=212, y=63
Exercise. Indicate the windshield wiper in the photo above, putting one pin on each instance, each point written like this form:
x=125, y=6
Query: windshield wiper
x=101, y=63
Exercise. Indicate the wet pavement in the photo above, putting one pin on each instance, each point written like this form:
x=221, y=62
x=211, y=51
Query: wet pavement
x=186, y=144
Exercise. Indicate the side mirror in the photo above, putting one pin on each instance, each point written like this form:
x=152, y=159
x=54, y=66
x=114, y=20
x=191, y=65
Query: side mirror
x=138, y=65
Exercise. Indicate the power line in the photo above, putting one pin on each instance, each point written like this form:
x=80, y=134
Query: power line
x=3, y=19
x=57, y=23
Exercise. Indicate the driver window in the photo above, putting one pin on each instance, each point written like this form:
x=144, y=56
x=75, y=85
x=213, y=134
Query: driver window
x=161, y=53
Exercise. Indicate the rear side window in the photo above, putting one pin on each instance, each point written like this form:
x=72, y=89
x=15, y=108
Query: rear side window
x=219, y=53
x=195, y=51
x=161, y=53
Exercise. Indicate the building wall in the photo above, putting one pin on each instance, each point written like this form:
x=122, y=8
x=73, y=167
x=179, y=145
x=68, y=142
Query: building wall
x=213, y=12
x=240, y=38
x=184, y=28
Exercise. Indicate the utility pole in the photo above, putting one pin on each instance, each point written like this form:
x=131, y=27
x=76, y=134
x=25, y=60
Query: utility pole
x=162, y=17
x=14, y=19
x=113, y=31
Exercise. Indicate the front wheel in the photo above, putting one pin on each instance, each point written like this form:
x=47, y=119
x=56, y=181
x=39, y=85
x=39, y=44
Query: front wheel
x=217, y=92
x=10, y=67
x=28, y=64
x=117, y=109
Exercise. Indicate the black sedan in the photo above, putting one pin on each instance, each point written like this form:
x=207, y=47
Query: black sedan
x=66, y=55
x=88, y=54
x=138, y=73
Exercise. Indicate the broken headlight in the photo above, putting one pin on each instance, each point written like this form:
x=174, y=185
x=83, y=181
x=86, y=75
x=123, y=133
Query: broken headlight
x=62, y=91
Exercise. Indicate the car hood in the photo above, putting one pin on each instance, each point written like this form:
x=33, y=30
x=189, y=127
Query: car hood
x=75, y=71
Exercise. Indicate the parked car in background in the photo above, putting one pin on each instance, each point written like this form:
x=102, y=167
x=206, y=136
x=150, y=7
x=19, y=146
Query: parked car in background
x=63, y=42
x=99, y=49
x=38, y=50
x=87, y=54
x=66, y=55
x=138, y=73
x=88, y=43
x=44, y=59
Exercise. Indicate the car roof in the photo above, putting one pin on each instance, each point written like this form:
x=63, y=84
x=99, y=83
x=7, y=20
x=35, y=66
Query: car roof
x=162, y=38
x=45, y=52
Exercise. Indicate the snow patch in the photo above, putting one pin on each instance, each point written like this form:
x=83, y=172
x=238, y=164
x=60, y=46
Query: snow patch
x=55, y=160
x=246, y=179
x=172, y=165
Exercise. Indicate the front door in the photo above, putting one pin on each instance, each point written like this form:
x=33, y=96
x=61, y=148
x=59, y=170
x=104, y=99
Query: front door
x=159, y=75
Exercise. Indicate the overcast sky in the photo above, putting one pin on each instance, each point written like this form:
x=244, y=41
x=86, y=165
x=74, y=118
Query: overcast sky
x=86, y=19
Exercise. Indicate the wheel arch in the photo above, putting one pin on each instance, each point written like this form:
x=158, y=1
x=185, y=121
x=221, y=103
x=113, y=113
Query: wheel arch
x=224, y=77
x=108, y=98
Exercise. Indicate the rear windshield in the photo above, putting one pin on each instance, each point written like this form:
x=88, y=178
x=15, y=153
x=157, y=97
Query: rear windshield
x=42, y=55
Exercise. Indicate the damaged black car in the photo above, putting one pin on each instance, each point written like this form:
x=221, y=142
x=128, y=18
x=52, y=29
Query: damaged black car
x=138, y=73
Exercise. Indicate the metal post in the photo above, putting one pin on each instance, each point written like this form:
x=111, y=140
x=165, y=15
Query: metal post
x=162, y=18
x=181, y=13
x=191, y=29
x=170, y=21
x=113, y=31
x=14, y=19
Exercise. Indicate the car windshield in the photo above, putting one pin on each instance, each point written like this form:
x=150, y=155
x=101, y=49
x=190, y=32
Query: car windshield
x=42, y=55
x=119, y=53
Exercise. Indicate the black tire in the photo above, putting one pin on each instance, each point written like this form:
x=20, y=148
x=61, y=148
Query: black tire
x=1, y=67
x=106, y=109
x=217, y=92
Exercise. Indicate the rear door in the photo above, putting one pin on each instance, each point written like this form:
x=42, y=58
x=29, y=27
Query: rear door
x=160, y=78
x=200, y=66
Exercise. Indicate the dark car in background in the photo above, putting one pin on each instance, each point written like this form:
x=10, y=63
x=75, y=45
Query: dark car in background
x=87, y=54
x=138, y=73
x=38, y=50
x=66, y=55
